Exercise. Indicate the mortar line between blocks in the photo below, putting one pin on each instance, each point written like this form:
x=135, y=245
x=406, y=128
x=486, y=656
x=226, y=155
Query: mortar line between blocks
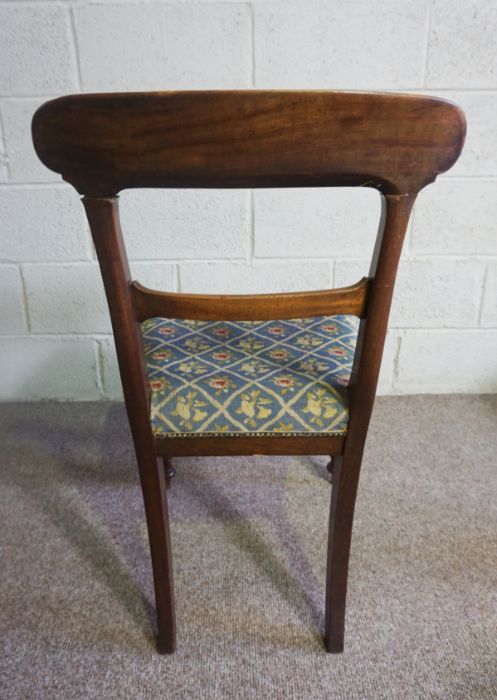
x=91, y=247
x=3, y=149
x=34, y=185
x=465, y=178
x=100, y=368
x=407, y=247
x=482, y=294
x=80, y=3
x=396, y=363
x=75, y=48
x=251, y=245
x=50, y=96
x=252, y=41
x=483, y=91
x=427, y=44
x=24, y=296
x=262, y=262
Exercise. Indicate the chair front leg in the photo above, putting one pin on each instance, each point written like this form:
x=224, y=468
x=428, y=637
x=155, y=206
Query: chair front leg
x=345, y=480
x=153, y=484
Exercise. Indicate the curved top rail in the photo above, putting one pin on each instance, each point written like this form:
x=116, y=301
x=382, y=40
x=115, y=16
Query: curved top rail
x=104, y=143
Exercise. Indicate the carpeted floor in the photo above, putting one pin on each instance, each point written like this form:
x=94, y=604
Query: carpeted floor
x=249, y=541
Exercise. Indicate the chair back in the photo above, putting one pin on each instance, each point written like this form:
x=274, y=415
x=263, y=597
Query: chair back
x=105, y=143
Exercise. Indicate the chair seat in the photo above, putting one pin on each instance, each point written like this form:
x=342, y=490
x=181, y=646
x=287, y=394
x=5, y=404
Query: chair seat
x=249, y=378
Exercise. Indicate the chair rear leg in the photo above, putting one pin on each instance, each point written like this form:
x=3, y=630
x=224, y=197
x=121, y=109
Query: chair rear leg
x=169, y=472
x=330, y=466
x=344, y=490
x=153, y=484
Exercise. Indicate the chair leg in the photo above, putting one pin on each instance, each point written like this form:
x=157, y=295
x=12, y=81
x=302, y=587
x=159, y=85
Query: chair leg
x=330, y=466
x=153, y=484
x=345, y=480
x=169, y=472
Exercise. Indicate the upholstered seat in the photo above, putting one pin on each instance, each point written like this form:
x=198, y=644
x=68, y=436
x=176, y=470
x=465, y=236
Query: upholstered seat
x=249, y=377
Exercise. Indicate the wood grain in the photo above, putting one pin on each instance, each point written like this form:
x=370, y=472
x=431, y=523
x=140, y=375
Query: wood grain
x=105, y=143
x=220, y=446
x=109, y=245
x=352, y=300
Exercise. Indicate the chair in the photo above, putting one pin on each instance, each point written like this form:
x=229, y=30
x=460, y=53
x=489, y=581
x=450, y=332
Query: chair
x=102, y=144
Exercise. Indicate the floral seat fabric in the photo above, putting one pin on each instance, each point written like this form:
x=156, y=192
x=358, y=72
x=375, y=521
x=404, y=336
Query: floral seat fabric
x=249, y=377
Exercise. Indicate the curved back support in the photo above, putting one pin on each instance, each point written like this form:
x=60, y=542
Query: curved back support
x=102, y=144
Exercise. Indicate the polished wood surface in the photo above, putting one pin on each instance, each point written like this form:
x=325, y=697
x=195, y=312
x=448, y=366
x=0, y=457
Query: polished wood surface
x=104, y=143
x=250, y=307
x=367, y=362
x=230, y=445
x=106, y=231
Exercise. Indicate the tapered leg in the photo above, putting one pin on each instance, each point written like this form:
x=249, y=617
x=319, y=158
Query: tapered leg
x=169, y=472
x=330, y=466
x=345, y=479
x=154, y=495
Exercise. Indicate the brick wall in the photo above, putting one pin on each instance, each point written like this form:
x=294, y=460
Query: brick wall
x=55, y=335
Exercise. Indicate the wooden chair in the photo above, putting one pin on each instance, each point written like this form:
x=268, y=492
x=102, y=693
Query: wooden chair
x=102, y=144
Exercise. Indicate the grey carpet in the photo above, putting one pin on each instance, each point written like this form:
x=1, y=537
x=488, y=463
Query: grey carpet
x=249, y=541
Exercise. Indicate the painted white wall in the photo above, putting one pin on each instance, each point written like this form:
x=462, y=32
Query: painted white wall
x=55, y=335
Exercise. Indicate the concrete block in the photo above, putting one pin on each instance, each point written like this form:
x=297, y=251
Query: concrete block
x=447, y=362
x=71, y=298
x=461, y=44
x=231, y=278
x=161, y=47
x=218, y=37
x=24, y=164
x=168, y=224
x=155, y=275
x=36, y=368
x=45, y=224
x=35, y=50
x=120, y=46
x=12, y=318
x=340, y=45
x=317, y=222
x=66, y=299
x=350, y=271
x=456, y=217
x=429, y=293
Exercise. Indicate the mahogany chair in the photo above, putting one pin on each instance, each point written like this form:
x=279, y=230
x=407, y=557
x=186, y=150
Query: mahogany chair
x=105, y=143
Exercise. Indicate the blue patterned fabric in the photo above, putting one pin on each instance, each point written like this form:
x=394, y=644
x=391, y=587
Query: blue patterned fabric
x=249, y=377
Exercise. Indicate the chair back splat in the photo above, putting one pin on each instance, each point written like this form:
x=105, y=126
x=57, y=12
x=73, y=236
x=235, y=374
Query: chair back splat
x=326, y=346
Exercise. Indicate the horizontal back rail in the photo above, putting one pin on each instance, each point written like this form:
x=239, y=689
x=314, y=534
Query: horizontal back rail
x=148, y=303
x=102, y=144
